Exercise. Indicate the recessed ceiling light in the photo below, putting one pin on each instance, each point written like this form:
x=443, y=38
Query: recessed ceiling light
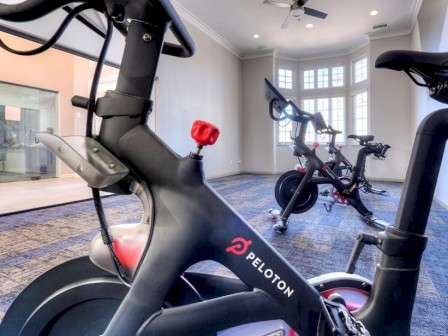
x=309, y=25
x=255, y=36
x=374, y=12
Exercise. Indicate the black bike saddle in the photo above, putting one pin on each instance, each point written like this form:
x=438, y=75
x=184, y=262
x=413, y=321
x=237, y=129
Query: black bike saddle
x=428, y=63
x=431, y=67
x=362, y=138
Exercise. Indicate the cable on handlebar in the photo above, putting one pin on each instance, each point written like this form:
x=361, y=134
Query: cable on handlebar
x=51, y=42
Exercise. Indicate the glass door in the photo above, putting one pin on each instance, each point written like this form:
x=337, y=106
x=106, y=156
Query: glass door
x=23, y=111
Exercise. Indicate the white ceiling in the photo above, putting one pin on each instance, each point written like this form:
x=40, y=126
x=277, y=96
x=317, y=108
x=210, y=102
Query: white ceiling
x=347, y=27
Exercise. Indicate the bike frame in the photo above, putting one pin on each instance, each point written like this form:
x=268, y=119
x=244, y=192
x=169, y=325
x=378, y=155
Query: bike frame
x=193, y=223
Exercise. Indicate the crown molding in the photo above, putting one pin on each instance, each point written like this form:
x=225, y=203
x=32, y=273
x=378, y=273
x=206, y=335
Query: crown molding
x=378, y=36
x=205, y=29
x=259, y=54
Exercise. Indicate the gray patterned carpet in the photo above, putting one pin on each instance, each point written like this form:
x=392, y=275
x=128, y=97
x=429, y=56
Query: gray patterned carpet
x=315, y=243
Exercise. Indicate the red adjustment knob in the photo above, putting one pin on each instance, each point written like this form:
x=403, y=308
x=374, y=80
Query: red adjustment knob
x=315, y=144
x=204, y=133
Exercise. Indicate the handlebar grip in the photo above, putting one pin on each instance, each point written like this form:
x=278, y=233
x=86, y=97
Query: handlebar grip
x=385, y=148
x=30, y=9
x=81, y=102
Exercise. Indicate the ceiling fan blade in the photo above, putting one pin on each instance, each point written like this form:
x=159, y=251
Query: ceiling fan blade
x=288, y=19
x=276, y=3
x=315, y=13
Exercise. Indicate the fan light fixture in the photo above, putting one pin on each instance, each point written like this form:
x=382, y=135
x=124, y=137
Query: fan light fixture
x=309, y=25
x=256, y=36
x=297, y=12
x=374, y=12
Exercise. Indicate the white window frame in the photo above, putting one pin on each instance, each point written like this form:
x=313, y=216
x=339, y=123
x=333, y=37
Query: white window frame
x=316, y=83
x=365, y=116
x=282, y=84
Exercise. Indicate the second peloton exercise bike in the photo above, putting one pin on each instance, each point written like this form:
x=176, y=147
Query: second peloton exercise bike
x=296, y=191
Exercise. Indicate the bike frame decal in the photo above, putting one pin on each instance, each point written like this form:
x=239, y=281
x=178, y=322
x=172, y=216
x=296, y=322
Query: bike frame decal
x=240, y=246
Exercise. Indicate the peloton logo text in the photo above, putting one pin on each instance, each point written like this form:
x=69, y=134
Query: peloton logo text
x=240, y=246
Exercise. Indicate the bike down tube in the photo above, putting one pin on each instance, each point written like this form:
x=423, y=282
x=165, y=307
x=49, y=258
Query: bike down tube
x=390, y=307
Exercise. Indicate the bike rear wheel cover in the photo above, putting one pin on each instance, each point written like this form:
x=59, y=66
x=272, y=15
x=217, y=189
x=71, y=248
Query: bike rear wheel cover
x=287, y=185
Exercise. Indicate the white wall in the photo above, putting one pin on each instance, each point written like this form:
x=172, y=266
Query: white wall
x=390, y=111
x=431, y=34
x=208, y=87
x=258, y=127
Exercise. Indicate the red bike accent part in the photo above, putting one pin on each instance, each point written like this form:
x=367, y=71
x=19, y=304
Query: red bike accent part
x=315, y=144
x=129, y=252
x=340, y=147
x=338, y=197
x=204, y=133
x=354, y=298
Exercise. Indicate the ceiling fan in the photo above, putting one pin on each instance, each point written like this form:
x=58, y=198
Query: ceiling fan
x=296, y=9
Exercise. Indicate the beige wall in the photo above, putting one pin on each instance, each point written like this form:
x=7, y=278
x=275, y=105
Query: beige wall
x=258, y=127
x=208, y=87
x=390, y=111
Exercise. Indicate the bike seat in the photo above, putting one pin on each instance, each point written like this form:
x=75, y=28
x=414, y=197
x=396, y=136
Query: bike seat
x=362, y=138
x=433, y=65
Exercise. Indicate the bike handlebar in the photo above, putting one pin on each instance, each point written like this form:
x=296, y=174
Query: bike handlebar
x=34, y=9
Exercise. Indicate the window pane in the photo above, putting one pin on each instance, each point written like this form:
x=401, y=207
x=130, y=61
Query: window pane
x=337, y=117
x=308, y=106
x=285, y=79
x=360, y=70
x=337, y=76
x=333, y=112
x=308, y=79
x=285, y=128
x=322, y=78
x=361, y=113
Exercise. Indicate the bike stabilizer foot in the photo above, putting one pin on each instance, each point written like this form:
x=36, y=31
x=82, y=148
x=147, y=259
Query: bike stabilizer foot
x=374, y=221
x=281, y=225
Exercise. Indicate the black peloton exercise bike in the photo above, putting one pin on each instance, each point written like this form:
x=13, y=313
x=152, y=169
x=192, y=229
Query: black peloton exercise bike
x=343, y=167
x=124, y=289
x=296, y=191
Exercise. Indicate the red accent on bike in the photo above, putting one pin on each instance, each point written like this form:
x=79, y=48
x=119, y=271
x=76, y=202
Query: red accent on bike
x=315, y=144
x=354, y=298
x=204, y=133
x=239, y=247
x=301, y=170
x=339, y=198
x=324, y=168
x=340, y=147
x=292, y=333
x=128, y=252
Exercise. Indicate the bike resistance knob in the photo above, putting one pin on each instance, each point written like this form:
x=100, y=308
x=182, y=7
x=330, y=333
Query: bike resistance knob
x=204, y=134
